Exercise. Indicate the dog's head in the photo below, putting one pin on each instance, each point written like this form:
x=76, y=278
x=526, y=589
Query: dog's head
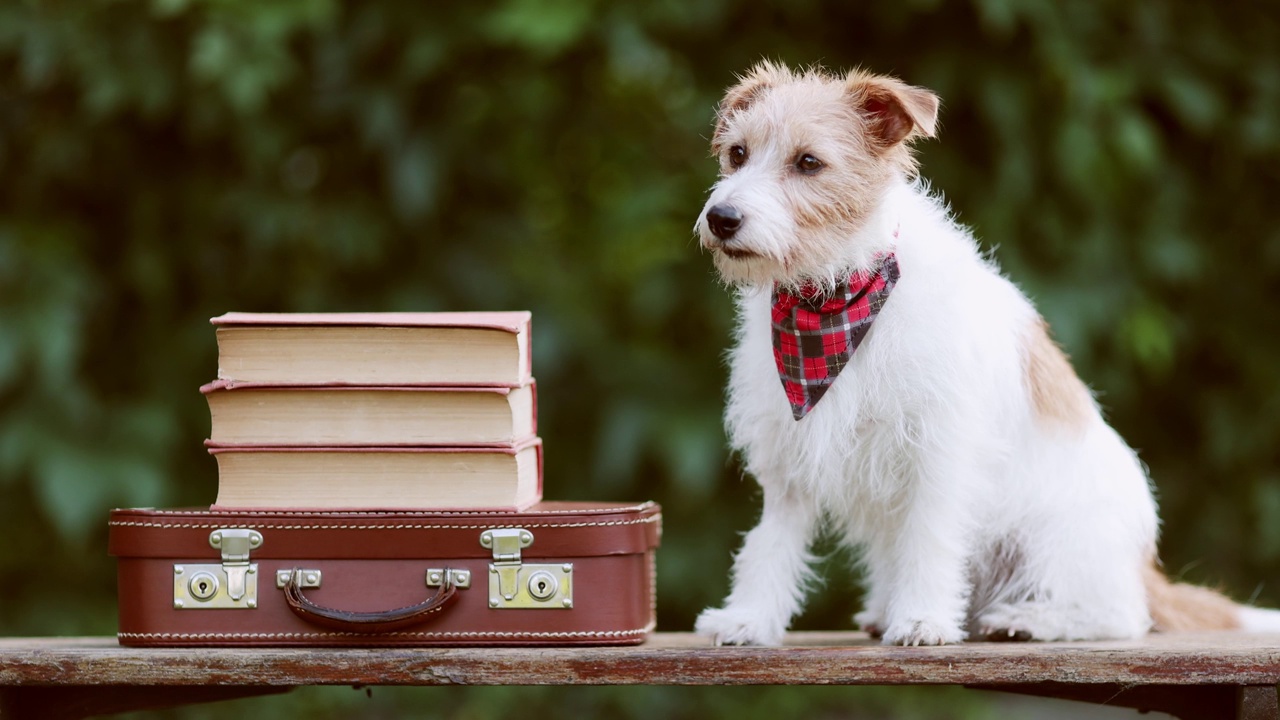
x=805, y=157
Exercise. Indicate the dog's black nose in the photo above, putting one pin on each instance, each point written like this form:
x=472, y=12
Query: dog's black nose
x=724, y=220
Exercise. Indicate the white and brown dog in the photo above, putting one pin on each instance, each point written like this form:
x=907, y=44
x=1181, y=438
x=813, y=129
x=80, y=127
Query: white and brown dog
x=889, y=384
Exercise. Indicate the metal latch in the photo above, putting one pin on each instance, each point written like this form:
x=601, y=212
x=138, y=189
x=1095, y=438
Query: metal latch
x=302, y=577
x=233, y=584
x=457, y=578
x=515, y=584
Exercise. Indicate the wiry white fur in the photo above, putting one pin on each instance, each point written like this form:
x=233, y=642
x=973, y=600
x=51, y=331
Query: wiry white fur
x=972, y=514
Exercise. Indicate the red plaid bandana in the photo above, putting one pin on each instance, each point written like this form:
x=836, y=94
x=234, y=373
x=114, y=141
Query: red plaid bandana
x=814, y=335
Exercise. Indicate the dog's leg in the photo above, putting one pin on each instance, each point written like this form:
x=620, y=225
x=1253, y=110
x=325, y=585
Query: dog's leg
x=925, y=549
x=1082, y=554
x=927, y=596
x=770, y=574
x=1098, y=607
x=1087, y=585
x=875, y=582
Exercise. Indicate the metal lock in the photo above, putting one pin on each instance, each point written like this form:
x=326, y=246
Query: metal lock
x=229, y=585
x=542, y=585
x=515, y=584
x=202, y=585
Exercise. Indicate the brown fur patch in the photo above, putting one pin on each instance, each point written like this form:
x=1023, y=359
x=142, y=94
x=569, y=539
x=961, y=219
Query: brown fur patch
x=739, y=97
x=892, y=113
x=895, y=111
x=1176, y=607
x=839, y=211
x=1057, y=394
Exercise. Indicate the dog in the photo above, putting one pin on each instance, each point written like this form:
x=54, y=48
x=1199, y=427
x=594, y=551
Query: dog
x=889, y=385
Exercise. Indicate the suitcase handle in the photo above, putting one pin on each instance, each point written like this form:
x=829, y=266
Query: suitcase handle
x=368, y=622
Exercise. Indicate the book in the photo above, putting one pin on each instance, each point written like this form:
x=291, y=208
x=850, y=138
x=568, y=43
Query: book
x=501, y=478
x=335, y=416
x=377, y=349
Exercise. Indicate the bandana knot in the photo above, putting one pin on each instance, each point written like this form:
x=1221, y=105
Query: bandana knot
x=815, y=333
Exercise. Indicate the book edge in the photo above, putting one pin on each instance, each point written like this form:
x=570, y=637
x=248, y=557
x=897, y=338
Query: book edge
x=512, y=321
x=229, y=385
x=511, y=448
x=519, y=505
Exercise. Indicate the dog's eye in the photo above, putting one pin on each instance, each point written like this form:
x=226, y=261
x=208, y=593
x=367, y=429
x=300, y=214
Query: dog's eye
x=737, y=156
x=808, y=164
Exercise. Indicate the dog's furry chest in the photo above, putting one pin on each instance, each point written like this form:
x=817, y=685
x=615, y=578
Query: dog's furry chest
x=851, y=444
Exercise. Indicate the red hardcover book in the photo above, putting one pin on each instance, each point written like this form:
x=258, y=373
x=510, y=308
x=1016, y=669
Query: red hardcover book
x=504, y=477
x=254, y=414
x=374, y=349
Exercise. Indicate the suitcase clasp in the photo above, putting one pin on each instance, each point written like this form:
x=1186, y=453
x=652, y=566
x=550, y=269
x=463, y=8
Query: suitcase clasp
x=233, y=584
x=235, y=545
x=514, y=584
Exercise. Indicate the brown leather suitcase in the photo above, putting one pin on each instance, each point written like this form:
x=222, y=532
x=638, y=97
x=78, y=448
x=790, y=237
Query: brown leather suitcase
x=559, y=573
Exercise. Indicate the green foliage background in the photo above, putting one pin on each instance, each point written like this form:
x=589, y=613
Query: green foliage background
x=163, y=162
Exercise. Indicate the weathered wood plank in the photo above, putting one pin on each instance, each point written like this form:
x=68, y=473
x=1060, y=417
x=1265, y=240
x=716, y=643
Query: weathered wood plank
x=668, y=659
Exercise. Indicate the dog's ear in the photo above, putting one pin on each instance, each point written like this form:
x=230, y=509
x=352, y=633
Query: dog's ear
x=749, y=87
x=894, y=111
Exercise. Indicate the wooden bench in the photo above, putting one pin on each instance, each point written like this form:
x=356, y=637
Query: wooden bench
x=1209, y=675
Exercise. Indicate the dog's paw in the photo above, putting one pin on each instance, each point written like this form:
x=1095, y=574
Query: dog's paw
x=870, y=623
x=1004, y=635
x=1017, y=623
x=922, y=632
x=1050, y=622
x=729, y=626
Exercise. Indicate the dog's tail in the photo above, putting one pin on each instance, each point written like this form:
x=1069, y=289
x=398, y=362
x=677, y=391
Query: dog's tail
x=1180, y=607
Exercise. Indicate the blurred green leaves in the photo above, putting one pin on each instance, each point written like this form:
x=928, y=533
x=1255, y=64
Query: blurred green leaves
x=162, y=163
x=544, y=27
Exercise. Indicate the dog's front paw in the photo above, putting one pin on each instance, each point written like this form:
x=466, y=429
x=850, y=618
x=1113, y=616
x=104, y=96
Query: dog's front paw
x=731, y=626
x=922, y=632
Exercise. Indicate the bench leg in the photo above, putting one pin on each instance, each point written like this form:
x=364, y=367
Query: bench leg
x=75, y=702
x=1258, y=702
x=1188, y=702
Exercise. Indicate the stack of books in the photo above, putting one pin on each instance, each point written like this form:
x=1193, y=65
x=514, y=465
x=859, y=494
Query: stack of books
x=375, y=411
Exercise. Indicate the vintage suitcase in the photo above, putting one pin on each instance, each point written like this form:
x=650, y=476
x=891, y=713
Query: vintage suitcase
x=559, y=573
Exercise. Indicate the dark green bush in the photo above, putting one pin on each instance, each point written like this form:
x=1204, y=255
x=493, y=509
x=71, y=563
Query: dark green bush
x=164, y=162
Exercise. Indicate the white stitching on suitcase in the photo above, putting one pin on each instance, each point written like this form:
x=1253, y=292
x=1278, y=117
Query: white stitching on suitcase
x=379, y=513
x=614, y=523
x=469, y=634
